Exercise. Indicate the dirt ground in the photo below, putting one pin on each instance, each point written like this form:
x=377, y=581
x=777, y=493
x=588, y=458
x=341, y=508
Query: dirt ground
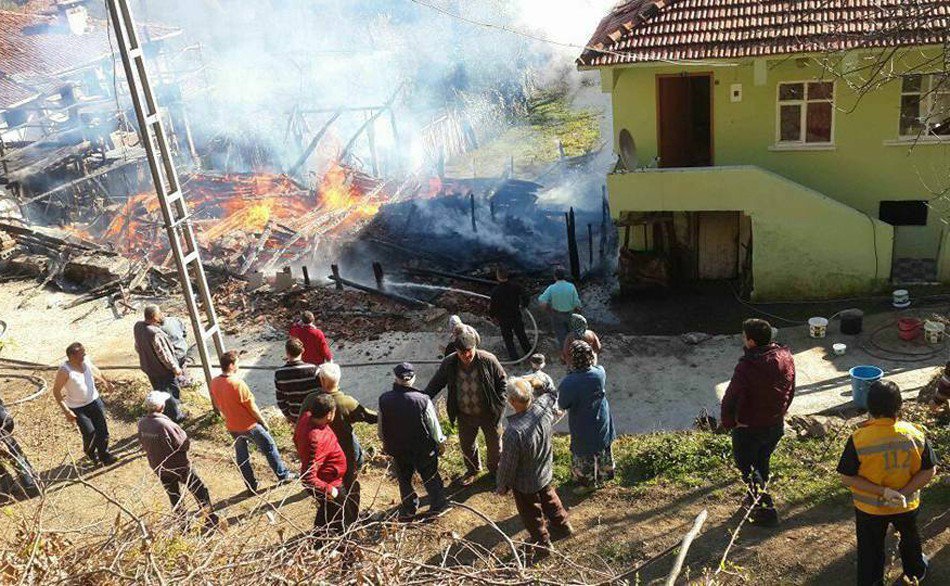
x=625, y=525
x=656, y=382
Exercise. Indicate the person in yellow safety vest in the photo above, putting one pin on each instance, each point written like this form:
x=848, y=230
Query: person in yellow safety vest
x=885, y=464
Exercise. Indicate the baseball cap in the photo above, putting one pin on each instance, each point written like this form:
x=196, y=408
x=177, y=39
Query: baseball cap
x=155, y=400
x=405, y=371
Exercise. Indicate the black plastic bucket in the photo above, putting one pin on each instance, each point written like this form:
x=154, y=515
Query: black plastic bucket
x=852, y=322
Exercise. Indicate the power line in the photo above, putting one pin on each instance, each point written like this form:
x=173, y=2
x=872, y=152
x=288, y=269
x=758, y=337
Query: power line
x=508, y=29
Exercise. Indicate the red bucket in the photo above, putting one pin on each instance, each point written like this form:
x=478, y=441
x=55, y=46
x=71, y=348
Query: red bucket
x=909, y=328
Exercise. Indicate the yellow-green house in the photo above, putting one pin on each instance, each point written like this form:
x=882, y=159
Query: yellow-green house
x=800, y=148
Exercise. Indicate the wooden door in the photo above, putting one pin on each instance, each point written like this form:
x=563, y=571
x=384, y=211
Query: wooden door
x=673, y=124
x=684, y=120
x=718, y=245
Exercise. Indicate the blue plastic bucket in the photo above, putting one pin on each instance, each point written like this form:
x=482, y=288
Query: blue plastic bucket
x=861, y=379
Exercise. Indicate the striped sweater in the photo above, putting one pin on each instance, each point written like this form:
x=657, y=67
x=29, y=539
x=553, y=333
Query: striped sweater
x=294, y=381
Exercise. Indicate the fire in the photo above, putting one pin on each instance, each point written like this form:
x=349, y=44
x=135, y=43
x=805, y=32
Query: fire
x=257, y=216
x=338, y=192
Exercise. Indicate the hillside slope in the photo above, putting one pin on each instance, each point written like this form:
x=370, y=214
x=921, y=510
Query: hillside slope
x=89, y=525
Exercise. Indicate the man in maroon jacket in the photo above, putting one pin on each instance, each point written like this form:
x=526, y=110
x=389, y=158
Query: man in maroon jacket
x=754, y=406
x=316, y=350
x=322, y=461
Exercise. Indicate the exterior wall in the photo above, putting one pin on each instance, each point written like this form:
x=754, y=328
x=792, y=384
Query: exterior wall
x=867, y=163
x=804, y=244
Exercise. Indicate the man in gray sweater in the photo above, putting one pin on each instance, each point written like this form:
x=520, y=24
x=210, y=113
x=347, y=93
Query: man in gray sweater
x=475, y=398
x=166, y=446
x=158, y=361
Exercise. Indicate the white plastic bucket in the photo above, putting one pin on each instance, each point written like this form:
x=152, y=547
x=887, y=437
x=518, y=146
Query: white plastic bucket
x=839, y=349
x=901, y=298
x=817, y=327
x=934, y=331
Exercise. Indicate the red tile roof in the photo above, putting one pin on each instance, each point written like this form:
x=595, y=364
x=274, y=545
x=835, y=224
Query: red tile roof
x=678, y=30
x=31, y=50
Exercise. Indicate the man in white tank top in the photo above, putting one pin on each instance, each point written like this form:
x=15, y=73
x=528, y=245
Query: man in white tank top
x=75, y=391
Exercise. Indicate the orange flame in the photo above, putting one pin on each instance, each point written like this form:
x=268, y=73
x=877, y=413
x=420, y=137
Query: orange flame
x=336, y=192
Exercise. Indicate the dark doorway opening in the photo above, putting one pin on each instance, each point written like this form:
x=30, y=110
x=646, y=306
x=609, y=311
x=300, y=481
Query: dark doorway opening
x=684, y=126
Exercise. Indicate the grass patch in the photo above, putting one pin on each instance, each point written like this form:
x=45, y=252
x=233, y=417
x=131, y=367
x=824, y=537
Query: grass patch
x=554, y=119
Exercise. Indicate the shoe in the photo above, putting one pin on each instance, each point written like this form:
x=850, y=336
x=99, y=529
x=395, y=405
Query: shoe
x=437, y=510
x=913, y=581
x=559, y=532
x=468, y=479
x=291, y=476
x=537, y=553
x=108, y=459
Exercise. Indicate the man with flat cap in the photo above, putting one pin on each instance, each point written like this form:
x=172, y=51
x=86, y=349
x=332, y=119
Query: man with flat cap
x=411, y=434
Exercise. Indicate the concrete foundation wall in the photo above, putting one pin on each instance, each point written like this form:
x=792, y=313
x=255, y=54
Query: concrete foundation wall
x=804, y=244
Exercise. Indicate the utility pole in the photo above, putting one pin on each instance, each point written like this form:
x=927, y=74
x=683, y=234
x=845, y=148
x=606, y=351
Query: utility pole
x=178, y=227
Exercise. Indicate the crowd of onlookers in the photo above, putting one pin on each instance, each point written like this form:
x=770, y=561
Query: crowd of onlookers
x=885, y=463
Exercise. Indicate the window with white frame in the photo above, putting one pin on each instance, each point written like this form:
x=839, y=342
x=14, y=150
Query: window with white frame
x=925, y=105
x=805, y=112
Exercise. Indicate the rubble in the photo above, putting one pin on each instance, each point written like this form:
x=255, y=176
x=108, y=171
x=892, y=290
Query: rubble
x=814, y=426
x=94, y=269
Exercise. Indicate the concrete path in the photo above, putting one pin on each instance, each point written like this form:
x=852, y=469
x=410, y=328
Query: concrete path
x=654, y=382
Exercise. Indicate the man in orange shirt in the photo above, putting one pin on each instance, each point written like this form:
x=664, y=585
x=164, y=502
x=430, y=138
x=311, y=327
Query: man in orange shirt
x=232, y=398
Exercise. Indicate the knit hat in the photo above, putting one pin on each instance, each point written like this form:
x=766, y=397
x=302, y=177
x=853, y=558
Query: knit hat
x=538, y=360
x=582, y=355
x=155, y=401
x=578, y=324
x=404, y=371
x=467, y=338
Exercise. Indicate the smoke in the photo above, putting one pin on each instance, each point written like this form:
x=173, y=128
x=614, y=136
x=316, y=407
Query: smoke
x=270, y=64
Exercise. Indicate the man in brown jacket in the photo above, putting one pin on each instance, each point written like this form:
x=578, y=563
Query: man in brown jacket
x=166, y=447
x=475, y=398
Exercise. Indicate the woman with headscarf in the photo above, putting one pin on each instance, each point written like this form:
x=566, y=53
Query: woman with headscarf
x=583, y=394
x=579, y=331
x=455, y=328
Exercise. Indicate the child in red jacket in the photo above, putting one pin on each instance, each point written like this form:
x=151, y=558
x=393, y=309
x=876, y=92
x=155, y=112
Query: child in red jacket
x=322, y=462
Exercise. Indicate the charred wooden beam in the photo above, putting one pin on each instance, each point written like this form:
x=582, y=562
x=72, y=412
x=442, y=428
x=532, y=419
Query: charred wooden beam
x=456, y=276
x=410, y=301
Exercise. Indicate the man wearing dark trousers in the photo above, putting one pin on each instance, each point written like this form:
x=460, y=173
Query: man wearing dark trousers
x=411, y=434
x=885, y=464
x=166, y=446
x=77, y=395
x=475, y=398
x=507, y=299
x=158, y=361
x=754, y=407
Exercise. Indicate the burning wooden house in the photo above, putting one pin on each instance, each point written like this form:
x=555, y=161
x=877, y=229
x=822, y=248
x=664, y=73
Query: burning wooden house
x=65, y=135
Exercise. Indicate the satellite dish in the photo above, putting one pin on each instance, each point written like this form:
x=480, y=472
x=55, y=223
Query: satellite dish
x=628, y=150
